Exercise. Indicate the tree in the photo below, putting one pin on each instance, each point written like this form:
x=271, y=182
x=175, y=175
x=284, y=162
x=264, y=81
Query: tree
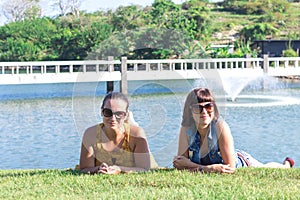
x=20, y=10
x=165, y=14
x=27, y=40
x=68, y=6
x=127, y=18
x=63, y=6
x=75, y=4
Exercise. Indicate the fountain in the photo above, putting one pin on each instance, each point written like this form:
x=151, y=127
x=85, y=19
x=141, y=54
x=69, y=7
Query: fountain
x=234, y=81
x=245, y=88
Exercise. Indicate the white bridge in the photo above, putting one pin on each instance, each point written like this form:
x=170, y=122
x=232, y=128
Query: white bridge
x=125, y=70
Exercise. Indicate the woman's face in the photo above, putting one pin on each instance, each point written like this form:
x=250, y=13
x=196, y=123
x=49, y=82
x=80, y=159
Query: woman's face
x=203, y=113
x=114, y=113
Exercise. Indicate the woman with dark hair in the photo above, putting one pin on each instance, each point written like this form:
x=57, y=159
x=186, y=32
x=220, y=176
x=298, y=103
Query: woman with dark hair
x=205, y=141
x=114, y=146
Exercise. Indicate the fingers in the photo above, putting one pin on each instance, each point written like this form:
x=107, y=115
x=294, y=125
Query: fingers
x=105, y=169
x=104, y=165
x=227, y=169
x=102, y=168
x=176, y=158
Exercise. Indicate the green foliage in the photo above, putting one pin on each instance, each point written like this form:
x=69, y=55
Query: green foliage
x=146, y=32
x=74, y=41
x=46, y=39
x=200, y=19
x=289, y=53
x=242, y=49
x=257, y=6
x=144, y=43
x=258, y=31
x=26, y=40
x=194, y=50
x=127, y=18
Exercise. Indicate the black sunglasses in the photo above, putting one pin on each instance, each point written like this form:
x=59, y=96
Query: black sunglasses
x=109, y=113
x=197, y=108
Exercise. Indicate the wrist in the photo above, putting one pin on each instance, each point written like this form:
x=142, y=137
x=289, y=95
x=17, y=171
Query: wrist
x=200, y=169
x=117, y=168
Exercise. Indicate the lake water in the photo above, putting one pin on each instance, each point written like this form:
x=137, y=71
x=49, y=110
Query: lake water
x=42, y=125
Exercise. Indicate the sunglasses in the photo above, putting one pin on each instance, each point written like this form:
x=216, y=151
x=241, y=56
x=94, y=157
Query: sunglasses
x=109, y=113
x=197, y=108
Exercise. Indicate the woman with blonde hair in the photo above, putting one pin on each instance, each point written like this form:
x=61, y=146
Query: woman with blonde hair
x=114, y=146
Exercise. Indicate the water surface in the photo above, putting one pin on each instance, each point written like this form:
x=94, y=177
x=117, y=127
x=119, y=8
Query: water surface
x=42, y=125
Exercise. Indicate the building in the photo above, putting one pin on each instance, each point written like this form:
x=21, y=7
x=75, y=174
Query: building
x=274, y=48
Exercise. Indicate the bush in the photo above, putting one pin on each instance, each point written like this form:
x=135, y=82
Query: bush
x=289, y=53
x=258, y=31
x=256, y=6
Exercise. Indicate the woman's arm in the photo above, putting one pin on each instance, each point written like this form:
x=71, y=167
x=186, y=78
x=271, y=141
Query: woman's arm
x=226, y=147
x=182, y=161
x=183, y=143
x=87, y=157
x=226, y=144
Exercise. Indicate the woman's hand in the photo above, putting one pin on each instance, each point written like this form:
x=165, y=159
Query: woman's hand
x=220, y=168
x=105, y=169
x=181, y=162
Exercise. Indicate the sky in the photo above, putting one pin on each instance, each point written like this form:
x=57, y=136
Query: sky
x=90, y=5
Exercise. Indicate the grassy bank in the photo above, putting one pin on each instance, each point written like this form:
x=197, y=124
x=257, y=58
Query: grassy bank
x=228, y=24
x=161, y=184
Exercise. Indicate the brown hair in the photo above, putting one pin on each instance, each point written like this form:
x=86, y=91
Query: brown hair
x=197, y=95
x=115, y=95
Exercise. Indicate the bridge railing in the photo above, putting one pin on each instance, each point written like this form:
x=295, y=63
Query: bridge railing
x=44, y=67
x=133, y=65
x=284, y=62
x=193, y=64
x=282, y=66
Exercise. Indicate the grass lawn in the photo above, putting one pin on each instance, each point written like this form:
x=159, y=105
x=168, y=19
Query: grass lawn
x=157, y=184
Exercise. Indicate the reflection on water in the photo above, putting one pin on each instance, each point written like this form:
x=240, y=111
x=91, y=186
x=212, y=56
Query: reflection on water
x=42, y=125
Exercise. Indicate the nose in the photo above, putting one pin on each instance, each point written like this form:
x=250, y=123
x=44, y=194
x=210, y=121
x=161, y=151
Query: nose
x=114, y=117
x=204, y=110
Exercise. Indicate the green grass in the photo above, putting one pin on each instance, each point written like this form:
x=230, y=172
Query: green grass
x=161, y=184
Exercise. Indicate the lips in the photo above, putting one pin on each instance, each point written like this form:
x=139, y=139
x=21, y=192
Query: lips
x=204, y=117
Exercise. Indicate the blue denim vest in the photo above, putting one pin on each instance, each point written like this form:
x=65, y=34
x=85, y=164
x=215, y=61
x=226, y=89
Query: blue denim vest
x=213, y=155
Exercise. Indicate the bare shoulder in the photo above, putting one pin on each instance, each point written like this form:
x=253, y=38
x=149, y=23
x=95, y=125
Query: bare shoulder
x=137, y=132
x=183, y=129
x=221, y=124
x=223, y=128
x=90, y=133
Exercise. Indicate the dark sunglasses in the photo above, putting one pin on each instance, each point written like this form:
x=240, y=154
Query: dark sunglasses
x=197, y=108
x=109, y=113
